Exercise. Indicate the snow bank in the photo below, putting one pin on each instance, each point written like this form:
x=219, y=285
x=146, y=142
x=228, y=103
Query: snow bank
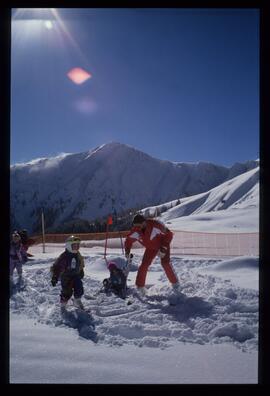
x=238, y=263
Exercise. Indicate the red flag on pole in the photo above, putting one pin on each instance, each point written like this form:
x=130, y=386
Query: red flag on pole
x=109, y=221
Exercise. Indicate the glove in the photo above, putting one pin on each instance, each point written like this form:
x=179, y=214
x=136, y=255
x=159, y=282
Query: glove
x=162, y=252
x=82, y=274
x=54, y=281
x=106, y=284
x=129, y=257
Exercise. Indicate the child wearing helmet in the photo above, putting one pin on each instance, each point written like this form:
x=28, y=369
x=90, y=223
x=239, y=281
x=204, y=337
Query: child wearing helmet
x=17, y=257
x=69, y=268
x=118, y=277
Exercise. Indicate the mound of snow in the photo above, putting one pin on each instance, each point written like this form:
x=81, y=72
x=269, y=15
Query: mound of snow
x=238, y=263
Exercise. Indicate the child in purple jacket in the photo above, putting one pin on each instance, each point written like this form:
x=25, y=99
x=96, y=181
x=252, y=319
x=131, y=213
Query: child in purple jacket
x=69, y=268
x=17, y=257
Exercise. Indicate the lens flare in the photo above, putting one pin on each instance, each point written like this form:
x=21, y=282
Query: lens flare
x=78, y=75
x=85, y=105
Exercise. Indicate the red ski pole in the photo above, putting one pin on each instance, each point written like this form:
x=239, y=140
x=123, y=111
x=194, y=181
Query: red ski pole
x=109, y=221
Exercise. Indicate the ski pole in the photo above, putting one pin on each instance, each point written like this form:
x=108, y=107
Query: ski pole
x=109, y=221
x=106, y=239
x=121, y=242
x=128, y=263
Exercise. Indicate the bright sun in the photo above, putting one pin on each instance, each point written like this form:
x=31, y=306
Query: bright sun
x=48, y=24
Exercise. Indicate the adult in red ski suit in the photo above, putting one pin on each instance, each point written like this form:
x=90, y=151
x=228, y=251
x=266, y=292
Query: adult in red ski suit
x=156, y=238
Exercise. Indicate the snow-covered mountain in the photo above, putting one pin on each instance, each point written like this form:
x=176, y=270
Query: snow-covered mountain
x=237, y=195
x=108, y=179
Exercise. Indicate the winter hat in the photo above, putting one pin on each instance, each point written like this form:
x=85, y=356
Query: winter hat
x=112, y=266
x=138, y=219
x=16, y=236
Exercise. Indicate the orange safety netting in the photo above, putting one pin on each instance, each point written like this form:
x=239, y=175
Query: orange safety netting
x=184, y=242
x=215, y=244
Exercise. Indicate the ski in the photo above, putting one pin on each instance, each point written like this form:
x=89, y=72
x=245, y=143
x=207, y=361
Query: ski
x=95, y=296
x=105, y=312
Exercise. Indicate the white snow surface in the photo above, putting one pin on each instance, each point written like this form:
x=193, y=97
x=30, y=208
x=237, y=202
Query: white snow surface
x=209, y=337
x=232, y=206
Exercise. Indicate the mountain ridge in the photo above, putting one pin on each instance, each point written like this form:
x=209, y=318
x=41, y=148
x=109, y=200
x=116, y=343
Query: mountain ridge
x=107, y=179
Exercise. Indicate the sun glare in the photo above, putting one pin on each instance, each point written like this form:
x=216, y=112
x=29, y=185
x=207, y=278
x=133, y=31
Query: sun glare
x=48, y=25
x=35, y=18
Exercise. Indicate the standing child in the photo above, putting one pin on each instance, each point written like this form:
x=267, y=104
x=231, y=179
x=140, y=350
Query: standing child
x=69, y=268
x=17, y=257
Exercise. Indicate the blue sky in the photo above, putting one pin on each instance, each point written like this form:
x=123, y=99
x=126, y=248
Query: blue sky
x=178, y=84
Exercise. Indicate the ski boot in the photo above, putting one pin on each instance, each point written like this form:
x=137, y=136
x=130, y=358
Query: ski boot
x=78, y=303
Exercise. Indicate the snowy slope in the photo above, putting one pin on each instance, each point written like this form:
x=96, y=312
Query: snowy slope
x=238, y=197
x=109, y=178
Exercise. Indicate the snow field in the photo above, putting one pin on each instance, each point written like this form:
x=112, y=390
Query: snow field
x=215, y=310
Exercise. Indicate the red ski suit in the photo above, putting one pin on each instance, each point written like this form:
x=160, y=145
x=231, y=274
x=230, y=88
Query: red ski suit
x=154, y=236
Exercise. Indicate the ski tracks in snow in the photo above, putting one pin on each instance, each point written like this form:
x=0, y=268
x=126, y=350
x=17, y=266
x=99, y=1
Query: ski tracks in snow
x=213, y=311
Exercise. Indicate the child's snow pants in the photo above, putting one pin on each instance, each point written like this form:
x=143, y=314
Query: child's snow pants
x=15, y=264
x=71, y=285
